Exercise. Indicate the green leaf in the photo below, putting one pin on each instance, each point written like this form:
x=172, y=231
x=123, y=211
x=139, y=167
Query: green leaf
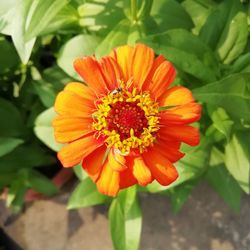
x=11, y=123
x=199, y=11
x=25, y=157
x=242, y=64
x=232, y=94
x=124, y=32
x=18, y=26
x=85, y=195
x=7, y=144
x=226, y=30
x=169, y=14
x=237, y=159
x=125, y=214
x=44, y=130
x=41, y=12
x=41, y=183
x=187, y=52
x=78, y=46
x=78, y=170
x=222, y=122
x=9, y=57
x=219, y=178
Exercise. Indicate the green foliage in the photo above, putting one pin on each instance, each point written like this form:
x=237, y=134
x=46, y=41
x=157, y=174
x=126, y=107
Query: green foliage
x=206, y=40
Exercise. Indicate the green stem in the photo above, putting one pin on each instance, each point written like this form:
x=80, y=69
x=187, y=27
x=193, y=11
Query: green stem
x=133, y=5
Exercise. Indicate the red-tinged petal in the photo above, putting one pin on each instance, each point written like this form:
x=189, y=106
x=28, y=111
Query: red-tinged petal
x=176, y=96
x=182, y=133
x=69, y=103
x=82, y=90
x=72, y=154
x=181, y=115
x=93, y=163
x=90, y=70
x=140, y=171
x=169, y=149
x=108, y=182
x=68, y=128
x=143, y=58
x=111, y=72
x=124, y=57
x=127, y=179
x=162, y=78
x=161, y=168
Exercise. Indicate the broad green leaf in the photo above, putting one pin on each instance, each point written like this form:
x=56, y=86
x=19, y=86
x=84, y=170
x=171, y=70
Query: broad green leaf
x=7, y=144
x=222, y=122
x=237, y=159
x=6, y=179
x=41, y=183
x=226, y=30
x=41, y=12
x=25, y=157
x=8, y=58
x=187, y=52
x=169, y=14
x=125, y=214
x=11, y=123
x=242, y=64
x=232, y=94
x=85, y=195
x=78, y=46
x=199, y=11
x=124, y=32
x=219, y=178
x=44, y=130
x=18, y=26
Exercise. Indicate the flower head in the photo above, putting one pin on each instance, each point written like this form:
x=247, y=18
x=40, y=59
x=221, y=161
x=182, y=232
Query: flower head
x=116, y=124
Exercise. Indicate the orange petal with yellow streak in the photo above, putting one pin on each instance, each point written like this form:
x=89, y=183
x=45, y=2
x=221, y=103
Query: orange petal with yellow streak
x=68, y=128
x=161, y=168
x=108, y=182
x=72, y=154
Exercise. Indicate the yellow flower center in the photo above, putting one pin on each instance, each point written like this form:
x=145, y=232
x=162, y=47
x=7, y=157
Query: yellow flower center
x=127, y=119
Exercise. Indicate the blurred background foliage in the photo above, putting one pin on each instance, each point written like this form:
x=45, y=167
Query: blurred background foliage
x=206, y=40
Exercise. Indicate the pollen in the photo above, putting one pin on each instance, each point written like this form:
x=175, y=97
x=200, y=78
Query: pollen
x=127, y=119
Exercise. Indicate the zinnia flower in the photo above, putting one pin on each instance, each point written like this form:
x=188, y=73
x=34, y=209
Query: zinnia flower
x=126, y=124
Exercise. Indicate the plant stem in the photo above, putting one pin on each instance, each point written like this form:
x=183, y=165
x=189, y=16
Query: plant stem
x=133, y=5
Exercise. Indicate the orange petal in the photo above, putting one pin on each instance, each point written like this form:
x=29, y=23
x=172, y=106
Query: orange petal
x=162, y=78
x=82, y=90
x=116, y=161
x=108, y=182
x=183, y=114
x=93, y=162
x=176, y=96
x=169, y=149
x=69, y=103
x=141, y=172
x=143, y=58
x=111, y=72
x=127, y=179
x=90, y=70
x=124, y=55
x=67, y=129
x=161, y=168
x=71, y=154
x=182, y=133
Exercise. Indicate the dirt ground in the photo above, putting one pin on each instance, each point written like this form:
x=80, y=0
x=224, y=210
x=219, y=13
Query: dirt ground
x=204, y=223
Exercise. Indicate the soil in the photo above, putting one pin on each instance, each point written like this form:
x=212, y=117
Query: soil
x=204, y=223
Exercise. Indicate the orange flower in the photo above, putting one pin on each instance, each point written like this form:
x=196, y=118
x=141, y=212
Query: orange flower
x=115, y=124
